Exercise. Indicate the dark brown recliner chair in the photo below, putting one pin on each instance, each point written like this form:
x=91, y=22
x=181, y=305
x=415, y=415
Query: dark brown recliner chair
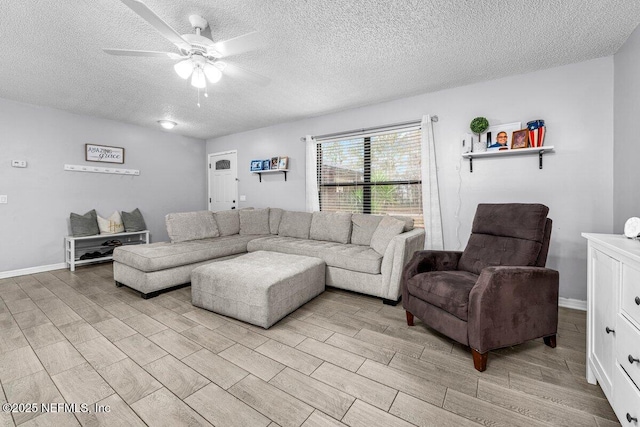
x=496, y=293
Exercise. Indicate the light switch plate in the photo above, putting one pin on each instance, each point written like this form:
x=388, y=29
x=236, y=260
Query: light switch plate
x=19, y=163
x=4, y=199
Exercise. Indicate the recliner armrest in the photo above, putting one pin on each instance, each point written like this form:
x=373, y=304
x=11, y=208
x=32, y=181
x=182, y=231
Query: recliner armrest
x=509, y=305
x=423, y=261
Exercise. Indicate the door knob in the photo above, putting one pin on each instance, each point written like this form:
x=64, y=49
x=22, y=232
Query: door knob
x=630, y=418
x=608, y=330
x=637, y=300
x=632, y=359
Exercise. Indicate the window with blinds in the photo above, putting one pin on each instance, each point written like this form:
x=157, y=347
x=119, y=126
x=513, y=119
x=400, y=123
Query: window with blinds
x=373, y=174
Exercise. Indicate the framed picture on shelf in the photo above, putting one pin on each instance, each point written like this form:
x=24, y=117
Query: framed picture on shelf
x=274, y=162
x=266, y=165
x=256, y=165
x=283, y=163
x=499, y=137
x=520, y=139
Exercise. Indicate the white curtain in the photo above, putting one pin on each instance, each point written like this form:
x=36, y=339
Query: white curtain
x=430, y=194
x=312, y=201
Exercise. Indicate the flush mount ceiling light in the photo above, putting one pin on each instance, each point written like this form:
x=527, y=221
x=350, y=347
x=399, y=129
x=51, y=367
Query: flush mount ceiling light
x=167, y=124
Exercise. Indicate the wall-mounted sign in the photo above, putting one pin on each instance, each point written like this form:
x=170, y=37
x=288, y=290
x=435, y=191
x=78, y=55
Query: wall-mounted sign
x=102, y=153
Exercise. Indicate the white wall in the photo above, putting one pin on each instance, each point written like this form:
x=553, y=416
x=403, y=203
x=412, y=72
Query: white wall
x=35, y=221
x=576, y=101
x=626, y=151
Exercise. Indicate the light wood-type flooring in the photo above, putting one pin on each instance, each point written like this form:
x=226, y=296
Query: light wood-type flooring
x=341, y=359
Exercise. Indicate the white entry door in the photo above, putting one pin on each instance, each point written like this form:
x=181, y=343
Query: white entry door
x=223, y=181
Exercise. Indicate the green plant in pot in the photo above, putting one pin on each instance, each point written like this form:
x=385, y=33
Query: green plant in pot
x=479, y=125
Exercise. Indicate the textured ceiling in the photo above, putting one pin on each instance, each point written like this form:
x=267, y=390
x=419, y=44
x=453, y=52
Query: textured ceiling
x=321, y=56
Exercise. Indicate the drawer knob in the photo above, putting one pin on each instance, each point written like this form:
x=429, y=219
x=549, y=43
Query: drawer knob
x=632, y=359
x=630, y=418
x=637, y=300
x=609, y=330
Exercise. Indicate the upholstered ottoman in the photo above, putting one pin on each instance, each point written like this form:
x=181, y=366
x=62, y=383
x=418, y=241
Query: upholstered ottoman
x=260, y=287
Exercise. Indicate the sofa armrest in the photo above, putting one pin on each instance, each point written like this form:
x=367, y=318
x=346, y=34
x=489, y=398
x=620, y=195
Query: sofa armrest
x=397, y=255
x=510, y=305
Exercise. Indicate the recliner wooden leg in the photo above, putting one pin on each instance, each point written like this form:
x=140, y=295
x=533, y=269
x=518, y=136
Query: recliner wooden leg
x=409, y=318
x=479, y=360
x=550, y=341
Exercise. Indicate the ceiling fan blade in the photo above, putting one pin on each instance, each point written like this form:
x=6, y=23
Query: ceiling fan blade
x=241, y=73
x=129, y=52
x=240, y=44
x=158, y=23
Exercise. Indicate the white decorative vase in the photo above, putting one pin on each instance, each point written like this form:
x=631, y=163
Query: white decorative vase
x=479, y=147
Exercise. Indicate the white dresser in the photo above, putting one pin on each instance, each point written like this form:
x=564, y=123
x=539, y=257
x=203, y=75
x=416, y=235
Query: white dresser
x=613, y=322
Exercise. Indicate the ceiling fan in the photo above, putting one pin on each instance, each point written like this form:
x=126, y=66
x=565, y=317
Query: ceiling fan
x=200, y=57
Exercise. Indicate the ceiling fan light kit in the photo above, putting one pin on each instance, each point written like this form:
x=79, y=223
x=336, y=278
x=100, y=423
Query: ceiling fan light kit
x=199, y=56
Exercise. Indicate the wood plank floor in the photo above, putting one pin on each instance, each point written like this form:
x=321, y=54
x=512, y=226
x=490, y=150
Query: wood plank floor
x=341, y=359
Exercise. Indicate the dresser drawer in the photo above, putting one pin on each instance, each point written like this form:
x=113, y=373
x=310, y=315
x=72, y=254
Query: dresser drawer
x=631, y=293
x=628, y=347
x=626, y=399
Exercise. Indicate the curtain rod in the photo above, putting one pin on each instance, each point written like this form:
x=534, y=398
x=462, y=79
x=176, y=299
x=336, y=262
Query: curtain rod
x=372, y=129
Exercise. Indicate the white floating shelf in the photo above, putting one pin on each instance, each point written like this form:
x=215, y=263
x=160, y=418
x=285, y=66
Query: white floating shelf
x=271, y=171
x=512, y=152
x=95, y=169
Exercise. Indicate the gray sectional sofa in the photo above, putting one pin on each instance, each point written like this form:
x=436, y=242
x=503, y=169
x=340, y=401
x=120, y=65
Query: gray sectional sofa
x=363, y=253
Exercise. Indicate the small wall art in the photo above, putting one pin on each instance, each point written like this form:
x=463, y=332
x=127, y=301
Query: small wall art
x=520, y=139
x=103, y=153
x=274, y=162
x=256, y=165
x=498, y=137
x=283, y=163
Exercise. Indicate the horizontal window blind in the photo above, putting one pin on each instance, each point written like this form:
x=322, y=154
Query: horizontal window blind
x=376, y=173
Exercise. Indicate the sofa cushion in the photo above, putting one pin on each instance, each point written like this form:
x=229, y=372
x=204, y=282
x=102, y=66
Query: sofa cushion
x=386, y=230
x=133, y=221
x=275, y=215
x=363, y=228
x=228, y=222
x=295, y=224
x=84, y=225
x=254, y=221
x=408, y=222
x=163, y=255
x=447, y=290
x=331, y=226
x=351, y=257
x=185, y=226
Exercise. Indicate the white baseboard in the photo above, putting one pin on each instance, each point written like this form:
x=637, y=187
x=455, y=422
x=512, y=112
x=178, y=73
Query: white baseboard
x=32, y=270
x=576, y=304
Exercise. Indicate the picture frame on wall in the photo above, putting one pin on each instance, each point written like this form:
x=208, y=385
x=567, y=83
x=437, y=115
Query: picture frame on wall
x=103, y=153
x=266, y=165
x=256, y=165
x=274, y=162
x=499, y=137
x=283, y=163
x=520, y=139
